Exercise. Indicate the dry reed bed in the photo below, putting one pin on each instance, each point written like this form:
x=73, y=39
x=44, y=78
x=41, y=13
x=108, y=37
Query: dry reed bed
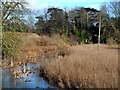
x=86, y=66
x=34, y=46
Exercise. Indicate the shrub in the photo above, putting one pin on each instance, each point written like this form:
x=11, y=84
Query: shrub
x=80, y=34
x=10, y=44
x=111, y=41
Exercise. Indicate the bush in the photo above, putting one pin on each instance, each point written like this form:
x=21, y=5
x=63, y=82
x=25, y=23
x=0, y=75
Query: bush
x=83, y=37
x=111, y=41
x=10, y=45
x=117, y=37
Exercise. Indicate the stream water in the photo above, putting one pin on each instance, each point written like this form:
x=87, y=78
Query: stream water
x=33, y=80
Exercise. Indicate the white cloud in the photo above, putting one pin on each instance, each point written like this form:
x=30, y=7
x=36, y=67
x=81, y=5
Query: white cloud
x=34, y=4
x=96, y=6
x=41, y=5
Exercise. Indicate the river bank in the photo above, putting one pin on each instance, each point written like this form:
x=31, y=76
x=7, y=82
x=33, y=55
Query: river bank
x=31, y=51
x=86, y=67
x=79, y=66
x=25, y=80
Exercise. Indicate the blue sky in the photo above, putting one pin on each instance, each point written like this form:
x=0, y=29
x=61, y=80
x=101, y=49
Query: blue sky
x=41, y=4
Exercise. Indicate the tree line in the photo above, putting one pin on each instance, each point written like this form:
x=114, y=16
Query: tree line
x=80, y=23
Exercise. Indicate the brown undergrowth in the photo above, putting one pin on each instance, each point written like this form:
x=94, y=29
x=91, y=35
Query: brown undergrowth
x=34, y=47
x=87, y=66
x=80, y=66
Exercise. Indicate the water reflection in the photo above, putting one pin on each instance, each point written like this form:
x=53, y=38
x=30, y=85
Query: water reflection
x=32, y=80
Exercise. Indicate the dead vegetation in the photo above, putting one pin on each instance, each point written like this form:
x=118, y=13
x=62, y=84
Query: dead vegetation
x=86, y=67
x=34, y=47
x=80, y=66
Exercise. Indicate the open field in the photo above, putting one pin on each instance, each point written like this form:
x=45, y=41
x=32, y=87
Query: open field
x=86, y=66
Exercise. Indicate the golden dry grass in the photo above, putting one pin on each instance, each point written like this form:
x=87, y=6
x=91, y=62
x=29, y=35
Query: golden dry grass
x=34, y=46
x=86, y=66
